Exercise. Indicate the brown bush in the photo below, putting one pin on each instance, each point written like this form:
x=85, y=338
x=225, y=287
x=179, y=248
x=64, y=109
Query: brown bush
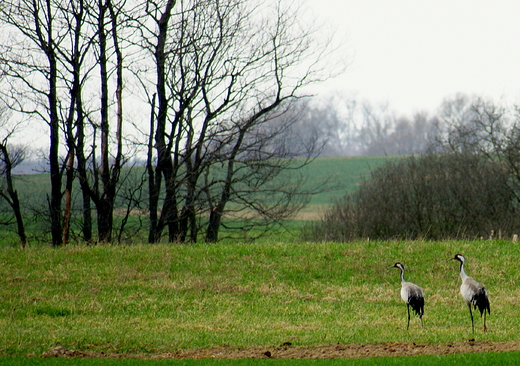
x=432, y=197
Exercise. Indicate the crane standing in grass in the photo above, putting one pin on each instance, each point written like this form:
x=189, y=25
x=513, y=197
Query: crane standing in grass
x=412, y=295
x=473, y=292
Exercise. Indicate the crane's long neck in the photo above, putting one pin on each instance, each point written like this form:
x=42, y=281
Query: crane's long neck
x=402, y=275
x=463, y=274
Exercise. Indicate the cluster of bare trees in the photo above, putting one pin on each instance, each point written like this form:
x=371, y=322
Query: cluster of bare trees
x=208, y=94
x=350, y=127
x=213, y=76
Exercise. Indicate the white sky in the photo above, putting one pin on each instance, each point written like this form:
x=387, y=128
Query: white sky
x=415, y=53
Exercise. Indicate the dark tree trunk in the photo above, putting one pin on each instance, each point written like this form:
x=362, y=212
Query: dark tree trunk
x=12, y=195
x=109, y=173
x=67, y=212
x=55, y=199
x=165, y=166
x=76, y=95
x=103, y=203
x=54, y=124
x=154, y=182
x=105, y=219
x=215, y=216
x=83, y=179
x=19, y=220
x=169, y=216
x=212, y=230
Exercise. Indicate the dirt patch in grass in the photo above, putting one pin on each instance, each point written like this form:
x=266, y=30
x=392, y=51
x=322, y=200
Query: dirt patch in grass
x=287, y=350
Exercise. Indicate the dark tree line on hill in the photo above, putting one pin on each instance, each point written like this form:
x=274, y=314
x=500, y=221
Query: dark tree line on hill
x=212, y=74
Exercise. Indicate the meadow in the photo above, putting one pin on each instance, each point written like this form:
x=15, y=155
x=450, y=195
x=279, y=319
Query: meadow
x=146, y=300
x=343, y=174
x=340, y=173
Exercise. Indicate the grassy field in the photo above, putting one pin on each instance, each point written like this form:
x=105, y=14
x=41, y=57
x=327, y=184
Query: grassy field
x=157, y=299
x=341, y=173
x=486, y=359
x=148, y=300
x=344, y=174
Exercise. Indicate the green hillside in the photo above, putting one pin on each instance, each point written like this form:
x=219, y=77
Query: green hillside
x=333, y=175
x=344, y=174
x=341, y=173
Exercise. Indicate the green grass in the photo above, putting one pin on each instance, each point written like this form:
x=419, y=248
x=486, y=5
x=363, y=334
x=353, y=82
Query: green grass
x=345, y=172
x=485, y=359
x=478, y=359
x=344, y=175
x=156, y=299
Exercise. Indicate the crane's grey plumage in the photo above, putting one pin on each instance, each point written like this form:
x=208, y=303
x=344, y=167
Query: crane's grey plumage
x=412, y=295
x=473, y=292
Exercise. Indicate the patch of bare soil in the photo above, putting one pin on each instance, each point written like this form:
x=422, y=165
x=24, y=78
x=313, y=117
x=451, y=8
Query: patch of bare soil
x=287, y=350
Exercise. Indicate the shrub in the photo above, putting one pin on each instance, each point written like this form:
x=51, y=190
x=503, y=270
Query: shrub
x=429, y=197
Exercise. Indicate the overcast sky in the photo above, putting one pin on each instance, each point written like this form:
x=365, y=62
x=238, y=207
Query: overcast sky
x=415, y=53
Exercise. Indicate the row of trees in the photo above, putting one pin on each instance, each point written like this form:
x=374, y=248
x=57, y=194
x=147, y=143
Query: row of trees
x=207, y=94
x=349, y=127
x=190, y=86
x=352, y=127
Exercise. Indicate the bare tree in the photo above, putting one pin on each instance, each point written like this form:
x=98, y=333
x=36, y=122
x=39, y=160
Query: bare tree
x=10, y=157
x=223, y=68
x=155, y=37
x=470, y=125
x=109, y=13
x=260, y=158
x=30, y=63
x=321, y=122
x=482, y=127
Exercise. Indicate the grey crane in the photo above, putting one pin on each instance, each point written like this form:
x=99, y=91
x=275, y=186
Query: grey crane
x=412, y=295
x=473, y=292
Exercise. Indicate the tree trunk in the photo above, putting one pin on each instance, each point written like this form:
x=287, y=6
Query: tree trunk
x=83, y=180
x=154, y=182
x=105, y=219
x=109, y=174
x=164, y=159
x=12, y=195
x=67, y=212
x=54, y=160
x=215, y=218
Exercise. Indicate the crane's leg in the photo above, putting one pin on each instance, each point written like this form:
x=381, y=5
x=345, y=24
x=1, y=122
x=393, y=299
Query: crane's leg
x=408, y=325
x=485, y=328
x=422, y=324
x=471, y=315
